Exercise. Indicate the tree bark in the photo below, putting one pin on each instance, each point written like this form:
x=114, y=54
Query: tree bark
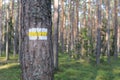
x=77, y=26
x=62, y=27
x=89, y=51
x=72, y=25
x=68, y=30
x=7, y=33
x=15, y=25
x=55, y=24
x=36, y=47
x=108, y=30
x=0, y=27
x=98, y=46
x=115, y=29
x=19, y=28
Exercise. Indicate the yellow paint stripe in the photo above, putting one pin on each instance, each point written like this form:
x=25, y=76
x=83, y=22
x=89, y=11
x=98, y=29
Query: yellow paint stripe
x=37, y=33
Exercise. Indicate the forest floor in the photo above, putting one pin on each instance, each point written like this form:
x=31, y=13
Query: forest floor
x=69, y=69
x=9, y=70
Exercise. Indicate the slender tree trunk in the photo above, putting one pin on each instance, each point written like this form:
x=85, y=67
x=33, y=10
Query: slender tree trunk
x=7, y=33
x=0, y=27
x=62, y=26
x=4, y=29
x=66, y=27
x=115, y=29
x=84, y=23
x=98, y=46
x=72, y=26
x=108, y=30
x=77, y=16
x=77, y=26
x=16, y=30
x=84, y=20
x=119, y=34
x=19, y=28
x=36, y=48
x=68, y=30
x=118, y=40
x=55, y=42
x=15, y=25
x=89, y=29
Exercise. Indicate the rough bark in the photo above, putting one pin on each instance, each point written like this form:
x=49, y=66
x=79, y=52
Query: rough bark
x=36, y=54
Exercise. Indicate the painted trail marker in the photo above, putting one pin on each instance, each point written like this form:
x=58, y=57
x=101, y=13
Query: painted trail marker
x=37, y=33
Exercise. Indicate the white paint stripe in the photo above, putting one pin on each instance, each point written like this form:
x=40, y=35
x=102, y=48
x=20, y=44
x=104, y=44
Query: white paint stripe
x=43, y=38
x=38, y=30
x=33, y=38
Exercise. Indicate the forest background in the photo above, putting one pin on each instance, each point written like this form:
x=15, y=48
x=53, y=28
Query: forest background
x=83, y=31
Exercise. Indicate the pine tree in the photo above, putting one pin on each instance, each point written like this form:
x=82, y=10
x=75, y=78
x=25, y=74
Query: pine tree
x=36, y=44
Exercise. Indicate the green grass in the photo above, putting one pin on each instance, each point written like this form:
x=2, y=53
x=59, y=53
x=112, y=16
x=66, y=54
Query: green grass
x=9, y=70
x=69, y=69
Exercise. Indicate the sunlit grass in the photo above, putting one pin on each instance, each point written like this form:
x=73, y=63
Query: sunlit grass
x=9, y=70
x=7, y=66
x=2, y=59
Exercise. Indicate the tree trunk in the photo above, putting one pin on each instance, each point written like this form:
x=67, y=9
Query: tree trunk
x=118, y=40
x=36, y=48
x=55, y=35
x=0, y=27
x=72, y=25
x=98, y=46
x=84, y=23
x=7, y=33
x=62, y=27
x=77, y=27
x=89, y=51
x=115, y=29
x=68, y=30
x=15, y=25
x=108, y=30
x=19, y=29
x=77, y=17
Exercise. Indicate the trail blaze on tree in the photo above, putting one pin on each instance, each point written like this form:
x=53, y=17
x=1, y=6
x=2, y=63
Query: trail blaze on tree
x=36, y=54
